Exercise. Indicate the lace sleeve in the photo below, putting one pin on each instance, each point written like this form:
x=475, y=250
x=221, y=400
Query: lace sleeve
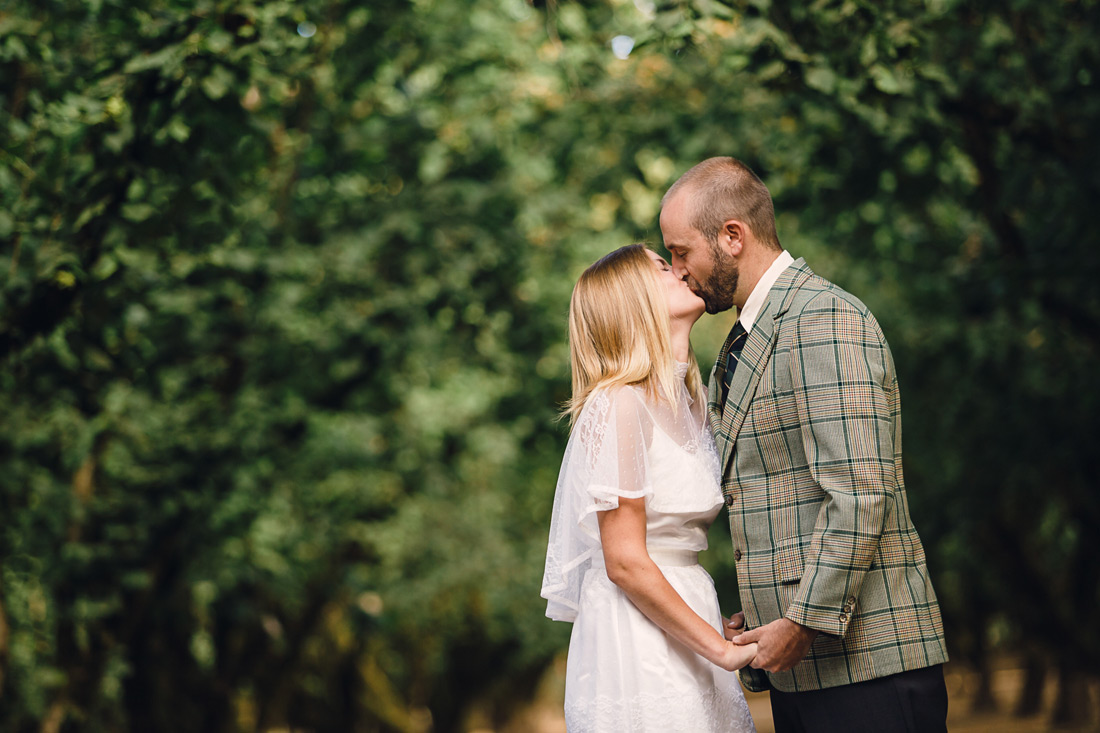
x=605, y=460
x=615, y=445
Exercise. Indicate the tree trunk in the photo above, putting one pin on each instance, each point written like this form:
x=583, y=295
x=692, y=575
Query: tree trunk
x=1071, y=706
x=984, y=702
x=1030, y=701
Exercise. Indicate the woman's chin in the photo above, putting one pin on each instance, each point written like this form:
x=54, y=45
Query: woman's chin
x=692, y=316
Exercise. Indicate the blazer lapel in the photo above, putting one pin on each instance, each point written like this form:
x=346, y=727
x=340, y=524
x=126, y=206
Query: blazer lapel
x=714, y=391
x=754, y=357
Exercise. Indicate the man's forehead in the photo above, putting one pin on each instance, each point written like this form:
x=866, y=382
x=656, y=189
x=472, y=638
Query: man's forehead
x=674, y=219
x=676, y=206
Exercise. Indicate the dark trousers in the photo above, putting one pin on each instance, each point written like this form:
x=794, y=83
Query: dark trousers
x=909, y=702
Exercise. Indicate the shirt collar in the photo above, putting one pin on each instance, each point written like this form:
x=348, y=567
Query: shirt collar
x=760, y=292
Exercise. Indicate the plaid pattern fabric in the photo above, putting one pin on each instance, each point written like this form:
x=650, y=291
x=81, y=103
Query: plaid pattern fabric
x=810, y=443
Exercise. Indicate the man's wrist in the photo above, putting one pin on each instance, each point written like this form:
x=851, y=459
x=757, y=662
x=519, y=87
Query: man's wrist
x=804, y=631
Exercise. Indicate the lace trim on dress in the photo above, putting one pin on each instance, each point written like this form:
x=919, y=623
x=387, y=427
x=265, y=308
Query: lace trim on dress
x=710, y=711
x=593, y=425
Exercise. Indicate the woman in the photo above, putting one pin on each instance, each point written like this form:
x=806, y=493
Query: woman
x=637, y=492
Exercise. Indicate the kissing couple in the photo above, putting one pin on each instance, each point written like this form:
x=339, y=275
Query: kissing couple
x=797, y=435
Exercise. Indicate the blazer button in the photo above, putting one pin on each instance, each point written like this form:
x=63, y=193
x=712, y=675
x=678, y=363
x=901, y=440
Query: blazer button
x=736, y=554
x=729, y=500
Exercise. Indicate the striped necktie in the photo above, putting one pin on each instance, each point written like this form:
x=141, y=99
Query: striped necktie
x=740, y=336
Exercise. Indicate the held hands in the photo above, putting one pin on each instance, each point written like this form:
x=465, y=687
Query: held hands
x=736, y=656
x=779, y=645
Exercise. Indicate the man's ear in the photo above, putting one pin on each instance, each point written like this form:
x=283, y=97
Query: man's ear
x=733, y=235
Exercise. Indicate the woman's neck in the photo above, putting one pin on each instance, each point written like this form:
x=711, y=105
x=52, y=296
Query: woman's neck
x=680, y=333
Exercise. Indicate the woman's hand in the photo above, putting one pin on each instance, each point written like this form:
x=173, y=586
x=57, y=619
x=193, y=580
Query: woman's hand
x=733, y=626
x=736, y=656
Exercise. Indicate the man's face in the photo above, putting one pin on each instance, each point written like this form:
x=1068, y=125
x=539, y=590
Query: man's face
x=708, y=270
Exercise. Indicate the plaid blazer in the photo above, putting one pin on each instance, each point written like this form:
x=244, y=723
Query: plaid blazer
x=810, y=444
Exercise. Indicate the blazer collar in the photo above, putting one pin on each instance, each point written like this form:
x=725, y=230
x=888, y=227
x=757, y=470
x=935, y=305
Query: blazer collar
x=726, y=423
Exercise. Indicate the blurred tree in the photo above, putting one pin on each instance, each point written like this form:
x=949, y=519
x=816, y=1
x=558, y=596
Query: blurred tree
x=276, y=365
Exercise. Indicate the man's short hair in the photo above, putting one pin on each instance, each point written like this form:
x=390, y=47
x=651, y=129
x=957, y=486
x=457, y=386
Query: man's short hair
x=723, y=189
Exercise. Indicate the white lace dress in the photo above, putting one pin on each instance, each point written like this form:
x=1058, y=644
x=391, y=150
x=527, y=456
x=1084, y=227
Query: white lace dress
x=624, y=674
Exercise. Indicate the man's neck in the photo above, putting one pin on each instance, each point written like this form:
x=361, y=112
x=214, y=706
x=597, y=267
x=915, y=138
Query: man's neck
x=751, y=272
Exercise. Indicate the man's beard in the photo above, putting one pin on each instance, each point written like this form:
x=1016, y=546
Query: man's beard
x=717, y=292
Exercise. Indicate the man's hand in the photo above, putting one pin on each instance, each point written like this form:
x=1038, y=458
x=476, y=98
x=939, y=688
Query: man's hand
x=783, y=644
x=734, y=625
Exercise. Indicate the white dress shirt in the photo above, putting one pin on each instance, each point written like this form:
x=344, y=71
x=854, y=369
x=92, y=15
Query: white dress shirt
x=759, y=293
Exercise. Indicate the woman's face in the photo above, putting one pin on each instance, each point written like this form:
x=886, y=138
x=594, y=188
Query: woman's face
x=682, y=303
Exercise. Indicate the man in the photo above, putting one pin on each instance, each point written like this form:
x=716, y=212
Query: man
x=805, y=410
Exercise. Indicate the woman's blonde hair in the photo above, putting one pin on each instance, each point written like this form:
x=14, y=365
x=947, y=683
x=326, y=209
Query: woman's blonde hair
x=619, y=331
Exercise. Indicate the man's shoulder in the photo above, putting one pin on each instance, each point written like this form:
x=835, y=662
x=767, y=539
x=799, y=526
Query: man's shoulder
x=816, y=295
x=817, y=303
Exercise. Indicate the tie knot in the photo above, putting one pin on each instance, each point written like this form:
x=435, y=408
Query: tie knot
x=739, y=336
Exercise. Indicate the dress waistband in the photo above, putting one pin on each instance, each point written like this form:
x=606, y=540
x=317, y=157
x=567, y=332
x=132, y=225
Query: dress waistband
x=660, y=555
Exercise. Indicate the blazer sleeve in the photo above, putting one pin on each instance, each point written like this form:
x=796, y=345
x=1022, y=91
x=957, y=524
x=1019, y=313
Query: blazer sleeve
x=841, y=373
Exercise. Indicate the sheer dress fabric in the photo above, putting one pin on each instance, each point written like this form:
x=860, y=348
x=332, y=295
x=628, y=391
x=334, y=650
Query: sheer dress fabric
x=623, y=672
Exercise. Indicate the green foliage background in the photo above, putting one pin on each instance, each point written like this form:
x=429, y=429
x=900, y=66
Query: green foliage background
x=282, y=322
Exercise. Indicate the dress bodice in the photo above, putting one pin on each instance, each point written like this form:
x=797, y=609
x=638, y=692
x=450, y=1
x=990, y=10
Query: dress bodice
x=628, y=443
x=686, y=497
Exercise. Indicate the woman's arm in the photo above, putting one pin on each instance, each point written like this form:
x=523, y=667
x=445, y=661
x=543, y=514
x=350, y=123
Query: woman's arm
x=622, y=532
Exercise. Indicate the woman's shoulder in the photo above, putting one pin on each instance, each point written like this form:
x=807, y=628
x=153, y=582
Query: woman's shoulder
x=618, y=398
x=622, y=404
